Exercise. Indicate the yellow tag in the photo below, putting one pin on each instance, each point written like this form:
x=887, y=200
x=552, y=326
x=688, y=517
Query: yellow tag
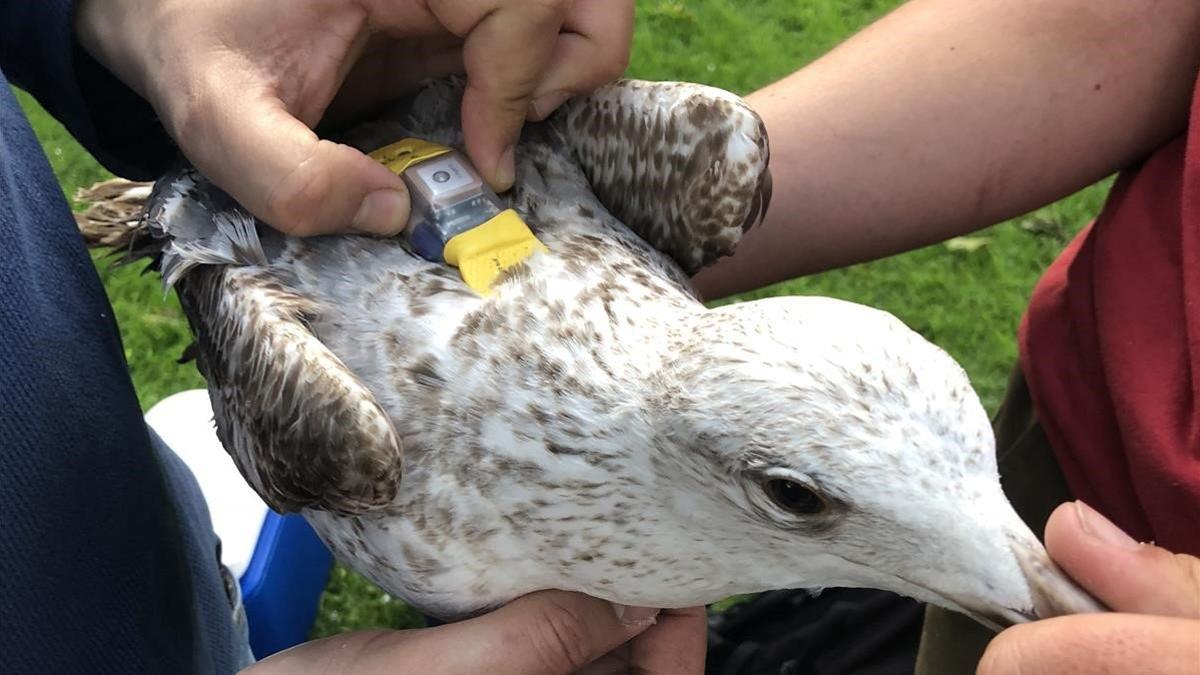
x=483, y=252
x=402, y=154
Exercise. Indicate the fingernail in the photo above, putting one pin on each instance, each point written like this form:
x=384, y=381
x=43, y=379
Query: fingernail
x=542, y=106
x=1103, y=529
x=383, y=212
x=635, y=616
x=506, y=169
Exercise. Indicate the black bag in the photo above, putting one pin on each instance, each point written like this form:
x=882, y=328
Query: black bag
x=841, y=631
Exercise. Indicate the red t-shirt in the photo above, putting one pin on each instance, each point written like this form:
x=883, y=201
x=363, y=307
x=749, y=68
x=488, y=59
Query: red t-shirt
x=1111, y=349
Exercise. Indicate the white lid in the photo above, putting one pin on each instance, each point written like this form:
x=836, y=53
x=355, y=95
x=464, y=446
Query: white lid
x=185, y=423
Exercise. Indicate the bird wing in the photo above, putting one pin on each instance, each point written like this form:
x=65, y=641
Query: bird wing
x=301, y=427
x=200, y=225
x=685, y=166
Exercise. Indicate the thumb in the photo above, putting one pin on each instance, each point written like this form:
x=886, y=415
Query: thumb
x=545, y=633
x=277, y=168
x=1126, y=575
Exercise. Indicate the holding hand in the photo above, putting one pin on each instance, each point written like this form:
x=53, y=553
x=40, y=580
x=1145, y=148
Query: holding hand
x=240, y=85
x=1157, y=593
x=549, y=633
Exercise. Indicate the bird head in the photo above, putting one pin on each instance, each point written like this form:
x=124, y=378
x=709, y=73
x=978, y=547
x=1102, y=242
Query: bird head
x=853, y=453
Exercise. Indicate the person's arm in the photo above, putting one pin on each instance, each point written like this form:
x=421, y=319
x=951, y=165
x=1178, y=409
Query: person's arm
x=39, y=53
x=949, y=116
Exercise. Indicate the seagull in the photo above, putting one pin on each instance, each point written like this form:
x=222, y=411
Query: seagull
x=589, y=425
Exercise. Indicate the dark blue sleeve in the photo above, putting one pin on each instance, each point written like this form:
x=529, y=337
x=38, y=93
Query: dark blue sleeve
x=39, y=53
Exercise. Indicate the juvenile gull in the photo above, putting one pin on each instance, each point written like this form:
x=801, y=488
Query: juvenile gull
x=591, y=425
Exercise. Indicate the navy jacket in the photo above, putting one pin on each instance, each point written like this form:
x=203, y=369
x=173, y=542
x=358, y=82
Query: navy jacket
x=38, y=53
x=107, y=565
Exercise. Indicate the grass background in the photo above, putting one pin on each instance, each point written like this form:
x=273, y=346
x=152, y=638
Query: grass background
x=965, y=296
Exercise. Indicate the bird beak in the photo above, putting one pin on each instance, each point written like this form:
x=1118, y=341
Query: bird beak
x=1053, y=593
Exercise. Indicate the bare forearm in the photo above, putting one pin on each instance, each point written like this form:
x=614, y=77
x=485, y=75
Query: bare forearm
x=948, y=116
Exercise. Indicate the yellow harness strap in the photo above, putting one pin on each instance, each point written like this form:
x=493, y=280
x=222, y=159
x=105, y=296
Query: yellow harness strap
x=484, y=251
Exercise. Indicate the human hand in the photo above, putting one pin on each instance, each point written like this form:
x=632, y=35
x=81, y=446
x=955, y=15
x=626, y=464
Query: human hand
x=675, y=644
x=240, y=84
x=1157, y=593
x=550, y=633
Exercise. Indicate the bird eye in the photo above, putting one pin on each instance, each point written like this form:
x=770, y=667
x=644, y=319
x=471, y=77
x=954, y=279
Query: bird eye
x=793, y=497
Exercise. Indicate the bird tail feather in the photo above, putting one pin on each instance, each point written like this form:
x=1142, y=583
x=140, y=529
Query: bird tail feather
x=180, y=222
x=114, y=218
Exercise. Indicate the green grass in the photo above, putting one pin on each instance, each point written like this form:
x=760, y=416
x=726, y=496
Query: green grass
x=968, y=299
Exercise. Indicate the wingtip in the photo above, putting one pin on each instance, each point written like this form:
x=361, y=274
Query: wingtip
x=761, y=203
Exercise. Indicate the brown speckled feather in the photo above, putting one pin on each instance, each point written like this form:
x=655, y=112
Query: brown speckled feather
x=682, y=165
x=302, y=428
x=114, y=219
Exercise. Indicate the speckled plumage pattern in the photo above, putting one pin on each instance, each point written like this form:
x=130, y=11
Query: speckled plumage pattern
x=590, y=425
x=282, y=400
x=686, y=172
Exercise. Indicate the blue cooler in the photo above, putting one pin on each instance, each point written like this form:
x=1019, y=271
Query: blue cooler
x=281, y=564
x=283, y=583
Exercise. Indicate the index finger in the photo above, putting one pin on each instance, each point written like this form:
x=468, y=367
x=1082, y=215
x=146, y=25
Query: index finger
x=507, y=47
x=592, y=51
x=674, y=645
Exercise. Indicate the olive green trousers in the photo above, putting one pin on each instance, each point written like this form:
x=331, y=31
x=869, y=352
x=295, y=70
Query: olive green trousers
x=951, y=643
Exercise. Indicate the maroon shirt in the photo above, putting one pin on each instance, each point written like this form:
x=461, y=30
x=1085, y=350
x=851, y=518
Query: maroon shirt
x=1111, y=350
